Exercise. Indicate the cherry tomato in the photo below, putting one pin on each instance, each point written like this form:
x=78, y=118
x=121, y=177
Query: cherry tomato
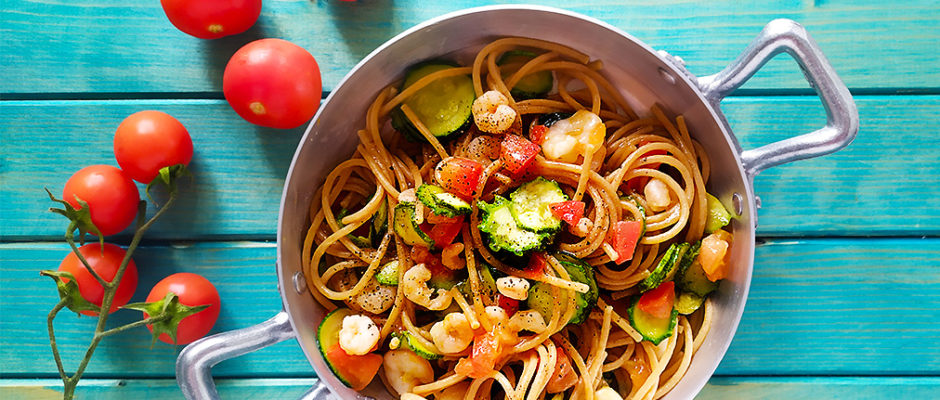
x=625, y=236
x=517, y=153
x=112, y=197
x=459, y=175
x=105, y=261
x=568, y=211
x=192, y=290
x=659, y=302
x=212, y=19
x=564, y=376
x=147, y=141
x=273, y=83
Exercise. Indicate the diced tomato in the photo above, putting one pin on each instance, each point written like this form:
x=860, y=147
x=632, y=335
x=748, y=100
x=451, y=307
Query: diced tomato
x=659, y=302
x=459, y=175
x=444, y=234
x=486, y=349
x=358, y=371
x=626, y=234
x=440, y=219
x=564, y=376
x=506, y=303
x=537, y=133
x=536, y=267
x=517, y=153
x=714, y=255
x=568, y=211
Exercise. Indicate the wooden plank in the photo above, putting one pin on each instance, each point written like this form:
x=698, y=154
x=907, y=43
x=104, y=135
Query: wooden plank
x=58, y=46
x=816, y=306
x=243, y=273
x=718, y=388
x=890, y=169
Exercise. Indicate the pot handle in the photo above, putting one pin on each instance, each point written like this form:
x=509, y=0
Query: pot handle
x=195, y=362
x=784, y=35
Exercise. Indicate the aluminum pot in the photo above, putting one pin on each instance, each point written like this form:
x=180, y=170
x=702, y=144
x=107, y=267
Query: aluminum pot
x=642, y=74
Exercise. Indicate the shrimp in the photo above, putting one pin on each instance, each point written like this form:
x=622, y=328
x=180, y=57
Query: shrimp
x=374, y=298
x=492, y=113
x=513, y=287
x=404, y=370
x=453, y=334
x=415, y=285
x=359, y=335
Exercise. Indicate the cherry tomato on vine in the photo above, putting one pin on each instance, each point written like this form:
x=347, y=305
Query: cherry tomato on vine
x=192, y=290
x=273, y=83
x=105, y=261
x=112, y=197
x=212, y=19
x=147, y=141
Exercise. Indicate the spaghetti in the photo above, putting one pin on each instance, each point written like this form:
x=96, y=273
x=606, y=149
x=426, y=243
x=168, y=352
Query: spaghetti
x=475, y=340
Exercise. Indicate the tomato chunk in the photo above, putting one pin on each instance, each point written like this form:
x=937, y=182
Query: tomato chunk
x=440, y=219
x=444, y=234
x=459, y=175
x=506, y=303
x=659, y=302
x=536, y=266
x=537, y=133
x=517, y=153
x=626, y=235
x=568, y=211
x=357, y=371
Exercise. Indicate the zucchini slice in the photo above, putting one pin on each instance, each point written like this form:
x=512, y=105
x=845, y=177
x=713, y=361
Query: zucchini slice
x=443, y=106
x=388, y=274
x=409, y=342
x=328, y=337
x=503, y=231
x=407, y=228
x=533, y=85
x=688, y=302
x=440, y=201
x=532, y=202
x=540, y=293
x=667, y=267
x=653, y=329
x=718, y=215
x=487, y=282
x=691, y=277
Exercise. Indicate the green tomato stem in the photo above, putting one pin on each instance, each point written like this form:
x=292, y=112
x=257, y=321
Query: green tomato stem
x=55, y=349
x=70, y=238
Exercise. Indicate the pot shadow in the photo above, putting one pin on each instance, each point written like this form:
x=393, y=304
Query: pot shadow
x=363, y=25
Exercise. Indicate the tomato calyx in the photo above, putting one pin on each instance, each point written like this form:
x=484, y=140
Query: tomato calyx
x=69, y=294
x=81, y=218
x=168, y=177
x=165, y=314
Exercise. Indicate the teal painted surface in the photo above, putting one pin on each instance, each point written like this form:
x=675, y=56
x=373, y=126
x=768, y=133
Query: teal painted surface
x=720, y=388
x=833, y=313
x=116, y=46
x=827, y=306
x=239, y=170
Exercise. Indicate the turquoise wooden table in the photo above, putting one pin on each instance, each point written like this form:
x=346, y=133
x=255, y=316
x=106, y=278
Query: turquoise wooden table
x=845, y=300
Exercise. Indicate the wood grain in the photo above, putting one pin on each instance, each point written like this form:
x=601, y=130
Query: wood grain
x=115, y=47
x=890, y=169
x=718, y=388
x=820, y=306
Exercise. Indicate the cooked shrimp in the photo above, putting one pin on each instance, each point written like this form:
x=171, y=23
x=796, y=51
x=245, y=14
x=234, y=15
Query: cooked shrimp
x=415, y=285
x=453, y=334
x=359, y=335
x=513, y=287
x=529, y=320
x=492, y=113
x=455, y=392
x=404, y=370
x=375, y=297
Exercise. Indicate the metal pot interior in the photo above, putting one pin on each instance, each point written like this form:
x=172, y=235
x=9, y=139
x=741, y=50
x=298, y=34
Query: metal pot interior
x=634, y=68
